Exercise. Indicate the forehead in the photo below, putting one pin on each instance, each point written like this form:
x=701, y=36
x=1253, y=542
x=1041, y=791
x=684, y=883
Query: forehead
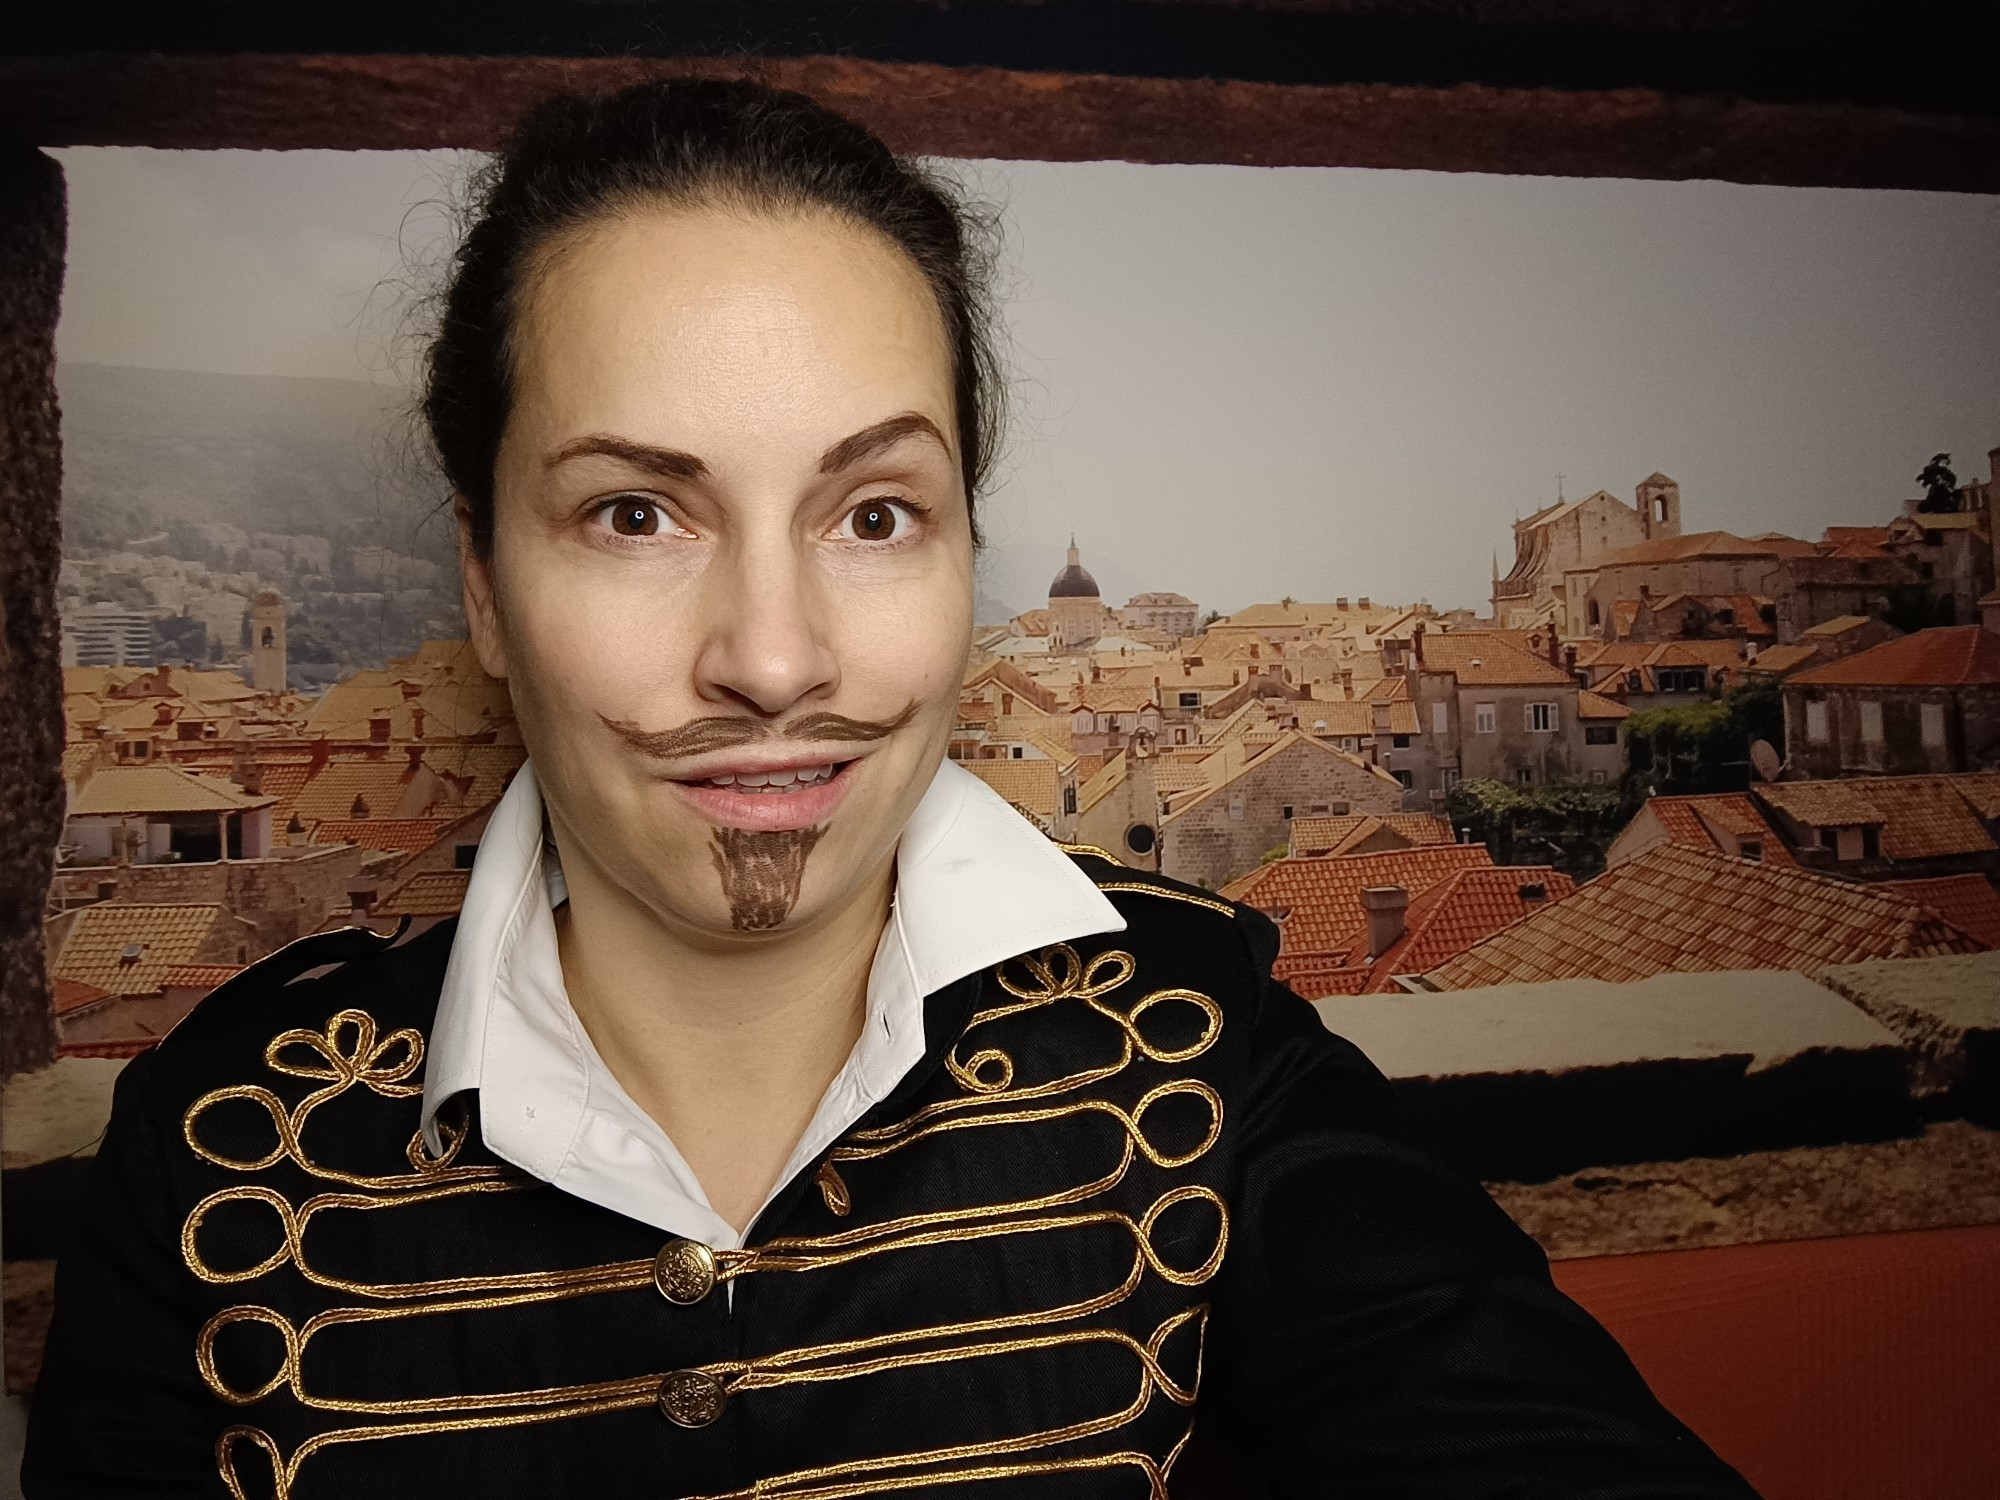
x=672, y=321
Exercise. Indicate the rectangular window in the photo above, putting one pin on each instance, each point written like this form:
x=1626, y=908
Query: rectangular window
x=1600, y=734
x=1752, y=850
x=1236, y=809
x=1484, y=720
x=1440, y=719
x=1190, y=700
x=1816, y=729
x=1399, y=741
x=462, y=856
x=1407, y=778
x=1288, y=812
x=1069, y=799
x=1018, y=752
x=1933, y=721
x=1339, y=809
x=1597, y=778
x=1449, y=776
x=1526, y=776
x=1871, y=722
x=1541, y=718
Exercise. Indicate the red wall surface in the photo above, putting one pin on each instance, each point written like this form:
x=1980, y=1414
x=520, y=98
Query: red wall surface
x=1847, y=1369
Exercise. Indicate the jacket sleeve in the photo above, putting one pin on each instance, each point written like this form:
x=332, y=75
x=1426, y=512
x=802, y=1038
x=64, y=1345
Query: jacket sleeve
x=120, y=1409
x=1381, y=1328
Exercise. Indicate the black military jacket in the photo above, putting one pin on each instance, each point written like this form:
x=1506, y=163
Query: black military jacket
x=1133, y=1181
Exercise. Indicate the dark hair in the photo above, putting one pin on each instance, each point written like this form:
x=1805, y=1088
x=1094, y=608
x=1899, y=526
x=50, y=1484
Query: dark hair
x=575, y=159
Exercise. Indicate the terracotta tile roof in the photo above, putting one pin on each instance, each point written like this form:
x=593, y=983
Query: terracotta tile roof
x=118, y=790
x=1968, y=902
x=1950, y=656
x=1840, y=624
x=1591, y=705
x=163, y=937
x=1033, y=784
x=200, y=976
x=1355, y=717
x=1324, y=836
x=435, y=893
x=1857, y=536
x=1779, y=660
x=1688, y=821
x=1822, y=804
x=391, y=835
x=1321, y=898
x=73, y=995
x=1703, y=544
x=1922, y=817
x=1461, y=910
x=1489, y=659
x=1678, y=910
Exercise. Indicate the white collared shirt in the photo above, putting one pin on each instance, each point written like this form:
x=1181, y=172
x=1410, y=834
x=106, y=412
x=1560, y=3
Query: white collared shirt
x=976, y=883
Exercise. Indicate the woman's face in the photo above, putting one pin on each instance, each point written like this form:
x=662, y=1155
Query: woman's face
x=730, y=585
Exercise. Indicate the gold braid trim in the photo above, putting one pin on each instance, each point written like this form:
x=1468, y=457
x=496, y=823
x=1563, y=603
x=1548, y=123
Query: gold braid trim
x=348, y=1053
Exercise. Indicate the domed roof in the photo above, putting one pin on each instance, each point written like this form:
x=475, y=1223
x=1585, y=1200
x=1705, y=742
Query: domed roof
x=1073, y=582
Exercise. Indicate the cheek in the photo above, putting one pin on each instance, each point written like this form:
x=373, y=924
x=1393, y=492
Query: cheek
x=908, y=640
x=584, y=640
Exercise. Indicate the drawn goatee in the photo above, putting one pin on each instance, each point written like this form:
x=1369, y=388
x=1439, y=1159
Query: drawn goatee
x=761, y=873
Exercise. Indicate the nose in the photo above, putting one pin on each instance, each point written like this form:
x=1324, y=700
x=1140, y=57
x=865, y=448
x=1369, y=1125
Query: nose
x=764, y=641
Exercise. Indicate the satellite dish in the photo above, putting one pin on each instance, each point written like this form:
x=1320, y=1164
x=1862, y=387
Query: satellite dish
x=1765, y=759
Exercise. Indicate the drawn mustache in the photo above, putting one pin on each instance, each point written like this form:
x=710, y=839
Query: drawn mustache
x=728, y=731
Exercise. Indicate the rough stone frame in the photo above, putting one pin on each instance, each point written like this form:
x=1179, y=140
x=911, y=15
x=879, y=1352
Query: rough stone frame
x=403, y=102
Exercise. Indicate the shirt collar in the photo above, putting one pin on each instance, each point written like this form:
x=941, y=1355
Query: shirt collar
x=976, y=883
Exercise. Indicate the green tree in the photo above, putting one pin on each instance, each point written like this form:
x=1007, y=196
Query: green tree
x=1940, y=486
x=1565, y=825
x=1702, y=747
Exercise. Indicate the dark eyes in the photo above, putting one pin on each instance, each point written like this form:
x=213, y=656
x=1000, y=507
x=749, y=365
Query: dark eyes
x=875, y=521
x=629, y=515
x=871, y=521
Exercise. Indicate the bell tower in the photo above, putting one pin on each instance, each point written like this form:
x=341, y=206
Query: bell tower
x=1659, y=505
x=267, y=641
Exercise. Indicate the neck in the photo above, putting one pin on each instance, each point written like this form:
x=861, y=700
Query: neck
x=727, y=1041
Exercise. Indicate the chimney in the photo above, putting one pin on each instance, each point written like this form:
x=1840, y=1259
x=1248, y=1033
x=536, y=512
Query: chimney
x=1417, y=644
x=322, y=752
x=1569, y=659
x=1555, y=648
x=378, y=729
x=1534, y=890
x=416, y=721
x=1386, y=906
x=1362, y=603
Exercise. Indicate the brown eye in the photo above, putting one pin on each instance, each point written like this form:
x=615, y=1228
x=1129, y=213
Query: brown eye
x=634, y=517
x=875, y=520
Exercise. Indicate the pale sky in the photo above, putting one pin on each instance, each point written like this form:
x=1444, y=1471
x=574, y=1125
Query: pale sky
x=1242, y=383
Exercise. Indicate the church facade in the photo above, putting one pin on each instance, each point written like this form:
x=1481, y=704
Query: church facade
x=1572, y=534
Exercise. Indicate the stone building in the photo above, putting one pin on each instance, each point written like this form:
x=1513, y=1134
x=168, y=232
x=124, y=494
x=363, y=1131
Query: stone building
x=1224, y=831
x=267, y=641
x=1928, y=702
x=1488, y=710
x=1572, y=534
x=1119, y=807
x=1173, y=615
x=1076, y=610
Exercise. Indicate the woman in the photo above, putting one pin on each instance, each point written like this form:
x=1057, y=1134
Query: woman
x=784, y=1115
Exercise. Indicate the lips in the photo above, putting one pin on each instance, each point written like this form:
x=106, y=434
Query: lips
x=778, y=799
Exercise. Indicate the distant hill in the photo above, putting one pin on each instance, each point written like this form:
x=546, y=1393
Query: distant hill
x=147, y=449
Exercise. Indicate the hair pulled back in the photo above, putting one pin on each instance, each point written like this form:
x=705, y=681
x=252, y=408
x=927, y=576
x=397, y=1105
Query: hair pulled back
x=690, y=142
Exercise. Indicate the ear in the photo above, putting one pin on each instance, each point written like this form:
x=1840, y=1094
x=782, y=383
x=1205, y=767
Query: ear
x=475, y=575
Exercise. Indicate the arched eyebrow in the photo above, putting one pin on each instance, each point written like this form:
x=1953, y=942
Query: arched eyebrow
x=668, y=463
x=886, y=433
x=671, y=463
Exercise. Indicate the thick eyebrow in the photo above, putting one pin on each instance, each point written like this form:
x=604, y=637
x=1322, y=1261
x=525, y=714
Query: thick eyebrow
x=671, y=463
x=668, y=463
x=884, y=434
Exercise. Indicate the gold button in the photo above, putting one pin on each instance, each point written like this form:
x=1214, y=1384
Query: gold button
x=684, y=1271
x=692, y=1398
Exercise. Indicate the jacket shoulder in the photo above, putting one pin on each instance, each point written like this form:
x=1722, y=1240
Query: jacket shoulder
x=1154, y=904
x=304, y=985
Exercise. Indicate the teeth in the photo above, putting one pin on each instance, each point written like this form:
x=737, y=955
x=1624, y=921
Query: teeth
x=775, y=781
